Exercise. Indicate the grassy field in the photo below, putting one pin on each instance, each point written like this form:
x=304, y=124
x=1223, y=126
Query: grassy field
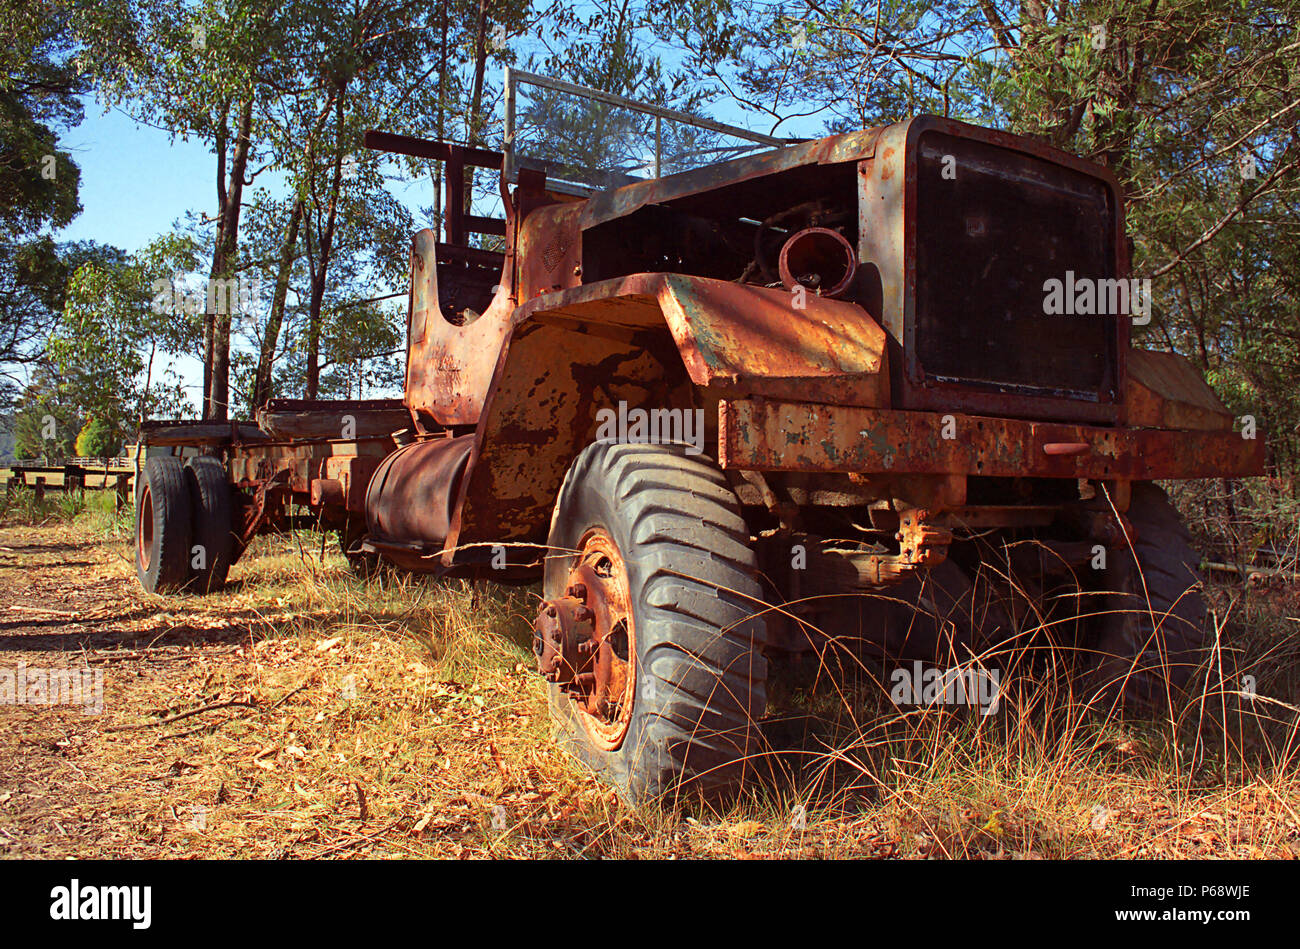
x=304, y=712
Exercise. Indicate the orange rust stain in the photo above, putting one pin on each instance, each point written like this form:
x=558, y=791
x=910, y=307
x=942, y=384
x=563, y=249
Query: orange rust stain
x=888, y=171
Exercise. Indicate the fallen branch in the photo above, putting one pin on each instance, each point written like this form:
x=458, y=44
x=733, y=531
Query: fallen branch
x=37, y=609
x=284, y=698
x=1248, y=570
x=354, y=841
x=176, y=718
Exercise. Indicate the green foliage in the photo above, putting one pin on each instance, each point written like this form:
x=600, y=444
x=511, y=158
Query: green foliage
x=107, y=343
x=45, y=425
x=98, y=439
x=39, y=181
x=39, y=89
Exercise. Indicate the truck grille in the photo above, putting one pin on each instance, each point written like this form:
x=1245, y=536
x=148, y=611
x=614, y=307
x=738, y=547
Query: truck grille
x=992, y=225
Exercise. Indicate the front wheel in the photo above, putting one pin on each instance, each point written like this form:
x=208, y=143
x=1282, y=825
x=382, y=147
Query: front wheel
x=1152, y=630
x=652, y=631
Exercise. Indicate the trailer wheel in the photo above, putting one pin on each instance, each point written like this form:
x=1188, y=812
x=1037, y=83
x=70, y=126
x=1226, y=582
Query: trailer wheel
x=1151, y=627
x=163, y=526
x=214, y=521
x=651, y=576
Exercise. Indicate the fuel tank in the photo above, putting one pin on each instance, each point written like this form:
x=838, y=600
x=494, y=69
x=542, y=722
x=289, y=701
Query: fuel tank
x=410, y=500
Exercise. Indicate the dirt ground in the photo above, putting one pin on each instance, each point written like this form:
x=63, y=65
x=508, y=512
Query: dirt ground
x=210, y=741
x=302, y=713
x=283, y=719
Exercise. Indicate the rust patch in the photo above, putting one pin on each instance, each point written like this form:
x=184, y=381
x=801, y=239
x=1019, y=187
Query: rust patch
x=771, y=436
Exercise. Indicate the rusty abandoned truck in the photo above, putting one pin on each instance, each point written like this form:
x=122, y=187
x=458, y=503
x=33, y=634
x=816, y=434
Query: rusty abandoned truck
x=900, y=450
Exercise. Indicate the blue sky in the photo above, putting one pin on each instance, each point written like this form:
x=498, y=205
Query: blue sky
x=135, y=183
x=135, y=180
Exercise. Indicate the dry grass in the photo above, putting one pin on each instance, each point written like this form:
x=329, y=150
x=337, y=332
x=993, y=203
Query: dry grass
x=306, y=713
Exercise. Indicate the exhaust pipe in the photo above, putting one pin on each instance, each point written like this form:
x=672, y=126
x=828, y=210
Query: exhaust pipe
x=820, y=260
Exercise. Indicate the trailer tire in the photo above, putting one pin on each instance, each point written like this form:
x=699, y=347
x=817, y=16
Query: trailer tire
x=163, y=526
x=1152, y=625
x=214, y=522
x=698, y=620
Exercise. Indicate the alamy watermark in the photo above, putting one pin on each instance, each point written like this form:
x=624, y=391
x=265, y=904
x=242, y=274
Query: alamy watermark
x=65, y=686
x=640, y=426
x=1084, y=296
x=76, y=901
x=223, y=296
x=959, y=685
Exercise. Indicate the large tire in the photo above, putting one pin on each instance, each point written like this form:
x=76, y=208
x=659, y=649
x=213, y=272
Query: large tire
x=698, y=621
x=163, y=526
x=1151, y=628
x=214, y=523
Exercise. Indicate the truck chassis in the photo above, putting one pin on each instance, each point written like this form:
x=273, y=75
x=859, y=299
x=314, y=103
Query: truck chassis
x=866, y=427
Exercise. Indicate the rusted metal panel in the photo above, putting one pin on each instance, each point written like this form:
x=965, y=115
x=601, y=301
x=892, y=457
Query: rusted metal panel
x=551, y=383
x=1164, y=390
x=750, y=338
x=409, y=500
x=449, y=364
x=754, y=336
x=771, y=436
x=639, y=340
x=549, y=251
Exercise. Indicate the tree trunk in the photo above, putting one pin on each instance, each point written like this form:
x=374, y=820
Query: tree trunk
x=474, y=123
x=475, y=126
x=220, y=145
x=322, y=264
x=222, y=267
x=262, y=381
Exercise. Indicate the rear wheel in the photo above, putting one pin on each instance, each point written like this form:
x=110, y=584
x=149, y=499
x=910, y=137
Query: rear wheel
x=214, y=520
x=652, y=631
x=1152, y=629
x=163, y=526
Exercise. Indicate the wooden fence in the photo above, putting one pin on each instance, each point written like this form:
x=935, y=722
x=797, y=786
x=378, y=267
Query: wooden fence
x=112, y=474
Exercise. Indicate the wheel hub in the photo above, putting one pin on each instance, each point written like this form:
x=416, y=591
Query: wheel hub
x=144, y=530
x=583, y=641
